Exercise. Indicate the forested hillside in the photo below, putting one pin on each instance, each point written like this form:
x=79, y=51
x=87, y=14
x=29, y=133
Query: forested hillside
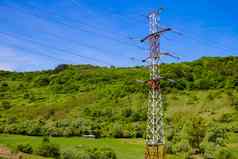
x=75, y=100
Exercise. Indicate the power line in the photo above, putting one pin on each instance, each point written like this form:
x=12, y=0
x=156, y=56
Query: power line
x=133, y=19
x=60, y=37
x=57, y=36
x=208, y=42
x=92, y=14
x=28, y=51
x=215, y=45
x=129, y=18
x=99, y=34
x=78, y=43
x=58, y=49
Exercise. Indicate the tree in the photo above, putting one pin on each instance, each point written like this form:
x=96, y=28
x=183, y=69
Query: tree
x=60, y=68
x=202, y=84
x=181, y=84
x=197, y=131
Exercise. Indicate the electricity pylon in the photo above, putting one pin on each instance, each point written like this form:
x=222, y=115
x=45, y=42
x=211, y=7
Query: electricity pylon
x=155, y=142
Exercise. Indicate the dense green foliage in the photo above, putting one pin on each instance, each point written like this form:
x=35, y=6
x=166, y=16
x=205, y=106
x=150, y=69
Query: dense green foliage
x=26, y=148
x=89, y=153
x=201, y=107
x=48, y=149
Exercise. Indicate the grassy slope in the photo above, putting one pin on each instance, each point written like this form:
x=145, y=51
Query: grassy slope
x=178, y=103
x=72, y=92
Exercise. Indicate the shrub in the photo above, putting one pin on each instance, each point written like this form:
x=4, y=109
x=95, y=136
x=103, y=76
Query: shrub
x=169, y=147
x=217, y=136
x=106, y=153
x=6, y=105
x=210, y=96
x=127, y=112
x=139, y=133
x=26, y=148
x=68, y=155
x=197, y=131
x=202, y=84
x=4, y=87
x=225, y=154
x=117, y=132
x=183, y=146
x=11, y=120
x=136, y=116
x=226, y=118
x=89, y=153
x=48, y=149
x=208, y=149
x=181, y=84
x=42, y=81
x=234, y=102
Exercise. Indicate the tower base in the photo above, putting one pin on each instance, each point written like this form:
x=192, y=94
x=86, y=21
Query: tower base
x=155, y=151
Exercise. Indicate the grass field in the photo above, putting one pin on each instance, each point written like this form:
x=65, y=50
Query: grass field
x=124, y=148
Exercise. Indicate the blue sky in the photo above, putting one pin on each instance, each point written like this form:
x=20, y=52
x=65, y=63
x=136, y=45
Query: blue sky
x=40, y=34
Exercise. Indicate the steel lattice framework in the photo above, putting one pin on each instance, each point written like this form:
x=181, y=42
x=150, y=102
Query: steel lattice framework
x=155, y=124
x=154, y=133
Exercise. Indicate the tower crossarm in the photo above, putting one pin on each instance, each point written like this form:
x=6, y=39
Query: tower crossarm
x=155, y=35
x=159, y=54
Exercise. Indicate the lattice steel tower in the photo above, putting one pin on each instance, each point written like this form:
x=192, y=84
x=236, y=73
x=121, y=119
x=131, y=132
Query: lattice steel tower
x=155, y=141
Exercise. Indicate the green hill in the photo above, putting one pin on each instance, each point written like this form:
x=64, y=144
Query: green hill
x=75, y=100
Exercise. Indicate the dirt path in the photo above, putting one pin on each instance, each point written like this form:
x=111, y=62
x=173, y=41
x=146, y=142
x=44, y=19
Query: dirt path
x=5, y=152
